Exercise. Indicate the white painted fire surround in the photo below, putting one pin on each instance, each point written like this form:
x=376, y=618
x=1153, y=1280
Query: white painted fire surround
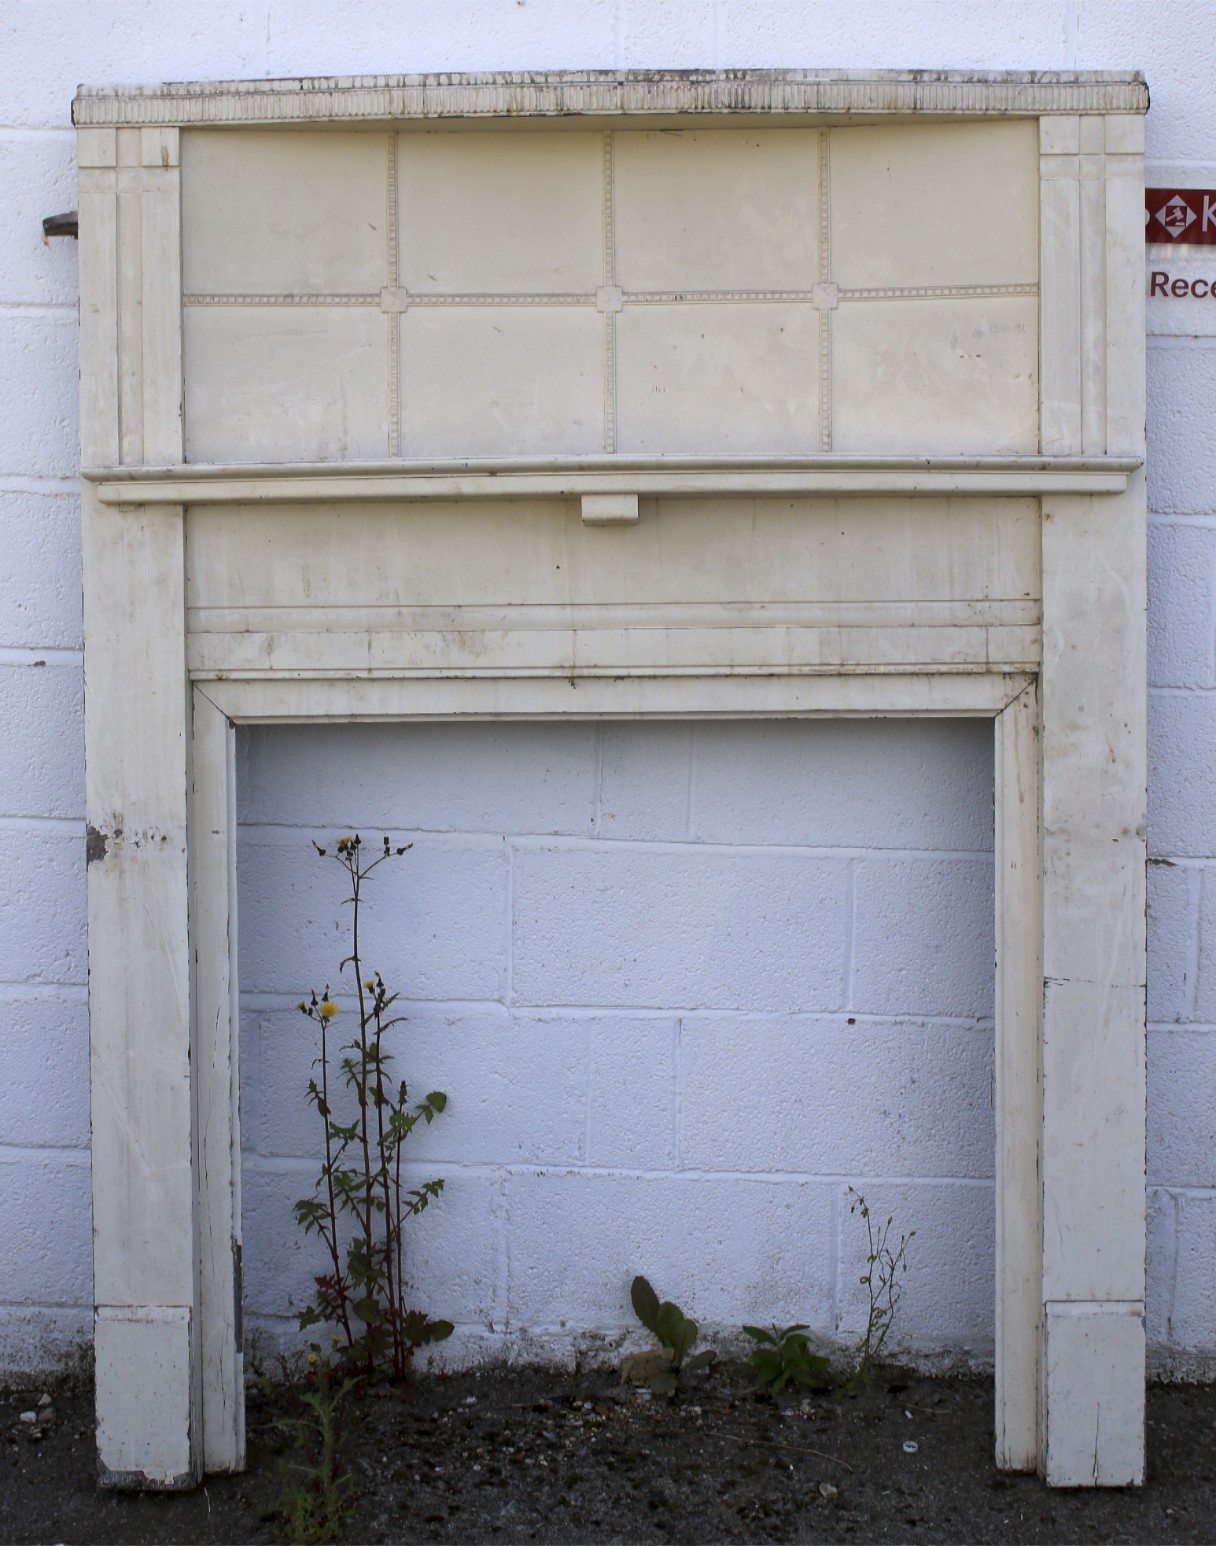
x=600, y=395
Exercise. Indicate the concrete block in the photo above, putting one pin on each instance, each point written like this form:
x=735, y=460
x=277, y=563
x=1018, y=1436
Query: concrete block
x=279, y=1262
x=433, y=924
x=1181, y=464
x=456, y=1251
x=42, y=755
x=844, y=783
x=44, y=1095
x=1115, y=34
x=668, y=34
x=680, y=928
x=422, y=777
x=516, y=1086
x=726, y=1251
x=44, y=1265
x=1182, y=774
x=1205, y=987
x=39, y=425
x=1181, y=1078
x=51, y=46
x=1173, y=940
x=40, y=582
x=481, y=35
x=452, y=1248
x=816, y=1096
x=1160, y=1267
x=924, y=940
x=249, y=1070
x=38, y=174
x=41, y=1339
x=1181, y=574
x=949, y=1292
x=1192, y=1321
x=42, y=907
x=631, y=1123
x=644, y=779
x=887, y=35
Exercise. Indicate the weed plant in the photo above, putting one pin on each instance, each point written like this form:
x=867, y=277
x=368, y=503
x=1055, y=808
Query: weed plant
x=882, y=1280
x=360, y=1205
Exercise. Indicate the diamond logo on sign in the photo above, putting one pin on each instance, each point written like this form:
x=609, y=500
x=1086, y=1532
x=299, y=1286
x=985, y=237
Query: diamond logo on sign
x=1176, y=216
x=1183, y=215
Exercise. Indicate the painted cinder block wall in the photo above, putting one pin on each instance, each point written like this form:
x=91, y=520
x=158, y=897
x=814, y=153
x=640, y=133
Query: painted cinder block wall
x=682, y=982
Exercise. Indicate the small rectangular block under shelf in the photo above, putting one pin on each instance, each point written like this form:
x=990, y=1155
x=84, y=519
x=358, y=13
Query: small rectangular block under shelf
x=609, y=509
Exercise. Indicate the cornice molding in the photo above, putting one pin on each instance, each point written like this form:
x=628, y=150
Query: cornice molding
x=610, y=94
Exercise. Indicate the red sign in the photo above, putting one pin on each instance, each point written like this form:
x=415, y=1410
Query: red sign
x=1182, y=216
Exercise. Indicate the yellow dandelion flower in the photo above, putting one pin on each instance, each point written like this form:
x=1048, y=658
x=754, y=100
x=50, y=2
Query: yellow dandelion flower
x=328, y=1009
x=312, y=1358
x=369, y=982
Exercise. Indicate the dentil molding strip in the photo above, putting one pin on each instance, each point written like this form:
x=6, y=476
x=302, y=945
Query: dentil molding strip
x=609, y=93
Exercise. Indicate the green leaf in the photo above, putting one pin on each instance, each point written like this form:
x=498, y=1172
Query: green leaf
x=437, y=1099
x=367, y=1310
x=701, y=1360
x=663, y=1382
x=759, y=1334
x=670, y=1325
x=645, y=1304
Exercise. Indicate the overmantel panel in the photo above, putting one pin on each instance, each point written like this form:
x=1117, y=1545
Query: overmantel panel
x=625, y=291
x=616, y=395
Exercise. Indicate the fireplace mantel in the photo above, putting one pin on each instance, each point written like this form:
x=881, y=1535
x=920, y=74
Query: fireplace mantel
x=741, y=394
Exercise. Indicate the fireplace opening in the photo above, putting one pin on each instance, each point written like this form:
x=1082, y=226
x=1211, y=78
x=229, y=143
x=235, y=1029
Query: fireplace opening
x=682, y=981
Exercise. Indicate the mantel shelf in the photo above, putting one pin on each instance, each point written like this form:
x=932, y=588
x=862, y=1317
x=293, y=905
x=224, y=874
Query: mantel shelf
x=577, y=478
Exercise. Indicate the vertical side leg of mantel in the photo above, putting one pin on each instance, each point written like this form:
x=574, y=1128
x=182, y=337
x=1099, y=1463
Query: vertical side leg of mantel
x=1019, y=1085
x=213, y=939
x=137, y=756
x=1094, y=808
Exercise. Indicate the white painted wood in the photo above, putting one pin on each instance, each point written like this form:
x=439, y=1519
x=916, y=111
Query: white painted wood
x=145, y=1252
x=161, y=296
x=213, y=941
x=1060, y=285
x=1094, y=705
x=733, y=559
x=599, y=93
x=609, y=509
x=1095, y=1395
x=1019, y=997
x=901, y=574
x=144, y=1374
x=1125, y=299
x=286, y=700
x=195, y=485
x=98, y=224
x=988, y=236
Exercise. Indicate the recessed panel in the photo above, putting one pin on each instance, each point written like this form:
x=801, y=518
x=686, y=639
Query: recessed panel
x=718, y=209
x=502, y=380
x=285, y=384
x=269, y=212
x=935, y=204
x=501, y=213
x=936, y=377
x=730, y=378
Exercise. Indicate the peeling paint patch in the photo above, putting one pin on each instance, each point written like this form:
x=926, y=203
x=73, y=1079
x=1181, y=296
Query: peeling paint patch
x=96, y=844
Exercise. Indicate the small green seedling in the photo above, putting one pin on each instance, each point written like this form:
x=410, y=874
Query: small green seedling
x=783, y=1354
x=674, y=1330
